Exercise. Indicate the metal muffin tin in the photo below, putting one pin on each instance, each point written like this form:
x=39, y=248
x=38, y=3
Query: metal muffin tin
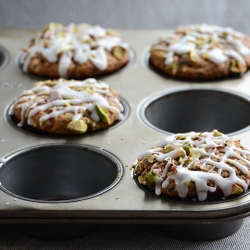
x=4, y=58
x=123, y=202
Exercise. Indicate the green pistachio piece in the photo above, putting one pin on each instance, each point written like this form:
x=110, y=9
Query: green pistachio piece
x=188, y=161
x=236, y=189
x=78, y=126
x=217, y=133
x=180, y=137
x=180, y=160
x=194, y=153
x=186, y=147
x=113, y=32
x=237, y=67
x=162, y=54
x=175, y=68
x=150, y=158
x=151, y=180
x=41, y=122
x=119, y=52
x=102, y=114
x=194, y=56
x=168, y=149
x=90, y=90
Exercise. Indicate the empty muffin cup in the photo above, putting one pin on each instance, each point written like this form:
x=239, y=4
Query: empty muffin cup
x=59, y=172
x=4, y=58
x=197, y=109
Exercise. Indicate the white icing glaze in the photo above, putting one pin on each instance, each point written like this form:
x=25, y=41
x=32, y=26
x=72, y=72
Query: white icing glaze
x=213, y=42
x=74, y=42
x=216, y=55
x=198, y=143
x=183, y=46
x=63, y=97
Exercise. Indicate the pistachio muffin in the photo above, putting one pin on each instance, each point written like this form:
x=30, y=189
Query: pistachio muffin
x=75, y=52
x=195, y=165
x=68, y=107
x=202, y=52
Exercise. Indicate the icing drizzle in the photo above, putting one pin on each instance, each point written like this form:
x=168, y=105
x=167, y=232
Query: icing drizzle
x=213, y=43
x=74, y=42
x=64, y=96
x=186, y=151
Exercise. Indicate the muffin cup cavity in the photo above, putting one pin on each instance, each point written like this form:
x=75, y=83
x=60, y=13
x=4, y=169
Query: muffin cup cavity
x=197, y=109
x=4, y=58
x=59, y=173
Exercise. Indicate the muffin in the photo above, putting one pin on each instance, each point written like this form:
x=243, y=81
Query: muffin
x=202, y=52
x=75, y=52
x=68, y=107
x=195, y=166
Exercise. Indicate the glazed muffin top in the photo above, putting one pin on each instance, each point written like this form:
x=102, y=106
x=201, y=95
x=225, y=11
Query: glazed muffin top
x=68, y=106
x=77, y=44
x=204, y=46
x=195, y=164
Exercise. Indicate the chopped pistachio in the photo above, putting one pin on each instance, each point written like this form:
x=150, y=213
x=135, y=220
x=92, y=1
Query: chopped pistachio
x=216, y=133
x=188, y=160
x=90, y=90
x=102, y=114
x=162, y=54
x=112, y=32
x=194, y=56
x=230, y=162
x=68, y=118
x=168, y=149
x=41, y=122
x=175, y=68
x=168, y=67
x=186, y=147
x=151, y=180
x=194, y=153
x=236, y=189
x=119, y=52
x=150, y=158
x=78, y=126
x=180, y=160
x=180, y=137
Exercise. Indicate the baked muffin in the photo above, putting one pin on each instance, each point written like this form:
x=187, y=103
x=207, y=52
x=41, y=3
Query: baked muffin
x=202, y=52
x=68, y=107
x=75, y=52
x=195, y=165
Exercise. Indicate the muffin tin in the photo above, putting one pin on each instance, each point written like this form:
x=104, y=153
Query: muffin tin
x=30, y=195
x=4, y=58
